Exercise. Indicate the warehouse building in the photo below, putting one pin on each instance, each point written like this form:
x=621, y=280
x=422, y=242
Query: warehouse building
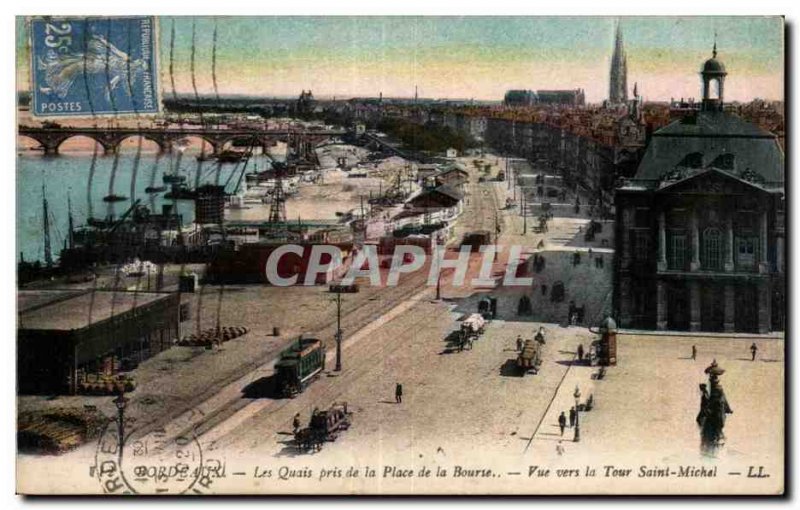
x=62, y=334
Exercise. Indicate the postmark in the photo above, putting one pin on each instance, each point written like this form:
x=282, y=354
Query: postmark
x=94, y=66
x=152, y=464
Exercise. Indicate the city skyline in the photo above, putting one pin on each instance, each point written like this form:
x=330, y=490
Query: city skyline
x=462, y=57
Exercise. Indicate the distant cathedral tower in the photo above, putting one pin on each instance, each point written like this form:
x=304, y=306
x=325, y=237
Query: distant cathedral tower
x=618, y=83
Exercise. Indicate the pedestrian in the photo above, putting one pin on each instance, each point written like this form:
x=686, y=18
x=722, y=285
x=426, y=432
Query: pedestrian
x=753, y=351
x=519, y=343
x=572, y=417
x=560, y=448
x=540, y=335
x=701, y=415
x=296, y=423
x=562, y=422
x=544, y=290
x=580, y=352
x=694, y=352
x=398, y=393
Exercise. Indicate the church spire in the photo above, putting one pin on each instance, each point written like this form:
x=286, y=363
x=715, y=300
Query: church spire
x=618, y=77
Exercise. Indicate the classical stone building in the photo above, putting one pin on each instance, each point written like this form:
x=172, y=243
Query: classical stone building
x=700, y=228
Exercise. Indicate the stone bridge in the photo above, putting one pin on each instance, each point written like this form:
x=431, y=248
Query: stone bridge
x=302, y=141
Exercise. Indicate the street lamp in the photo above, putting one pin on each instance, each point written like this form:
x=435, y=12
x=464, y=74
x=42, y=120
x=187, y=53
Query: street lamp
x=524, y=212
x=121, y=402
x=577, y=396
x=497, y=231
x=338, y=367
x=508, y=174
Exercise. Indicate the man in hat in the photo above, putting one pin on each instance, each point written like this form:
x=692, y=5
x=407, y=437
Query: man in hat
x=701, y=416
x=398, y=393
x=753, y=351
x=572, y=414
x=562, y=422
x=296, y=423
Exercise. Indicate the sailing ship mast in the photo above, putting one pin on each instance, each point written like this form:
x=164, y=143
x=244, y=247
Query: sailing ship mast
x=70, y=235
x=48, y=253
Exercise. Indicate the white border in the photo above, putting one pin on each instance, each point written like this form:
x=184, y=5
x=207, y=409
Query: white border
x=340, y=7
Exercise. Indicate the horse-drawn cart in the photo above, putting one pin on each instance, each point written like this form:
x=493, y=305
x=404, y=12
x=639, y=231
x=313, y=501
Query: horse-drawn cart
x=471, y=329
x=323, y=426
x=530, y=358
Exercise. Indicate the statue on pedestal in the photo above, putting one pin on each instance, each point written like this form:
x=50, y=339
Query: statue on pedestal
x=713, y=408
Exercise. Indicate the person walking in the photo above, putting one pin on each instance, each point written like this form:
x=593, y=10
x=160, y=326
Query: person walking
x=753, y=351
x=701, y=415
x=519, y=343
x=296, y=423
x=580, y=352
x=572, y=417
x=694, y=352
x=562, y=422
x=398, y=393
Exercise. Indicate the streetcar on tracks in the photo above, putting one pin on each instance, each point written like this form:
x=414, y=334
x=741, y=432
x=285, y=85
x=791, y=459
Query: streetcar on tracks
x=299, y=365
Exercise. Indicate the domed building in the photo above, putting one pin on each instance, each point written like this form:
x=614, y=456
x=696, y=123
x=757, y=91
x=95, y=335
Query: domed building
x=700, y=238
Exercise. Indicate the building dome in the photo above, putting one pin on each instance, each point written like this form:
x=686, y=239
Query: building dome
x=713, y=66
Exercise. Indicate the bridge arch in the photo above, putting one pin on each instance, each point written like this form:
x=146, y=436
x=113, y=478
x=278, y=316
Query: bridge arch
x=77, y=143
x=149, y=142
x=241, y=142
x=28, y=144
x=196, y=143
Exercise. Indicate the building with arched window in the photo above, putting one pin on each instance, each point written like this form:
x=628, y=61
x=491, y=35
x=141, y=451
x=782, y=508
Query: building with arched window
x=700, y=227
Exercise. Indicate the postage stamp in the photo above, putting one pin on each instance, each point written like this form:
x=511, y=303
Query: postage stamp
x=94, y=66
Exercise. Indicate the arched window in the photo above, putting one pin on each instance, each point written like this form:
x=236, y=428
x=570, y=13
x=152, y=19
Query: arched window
x=724, y=161
x=713, y=88
x=693, y=160
x=712, y=248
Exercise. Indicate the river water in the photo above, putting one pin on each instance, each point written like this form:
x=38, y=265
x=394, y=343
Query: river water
x=86, y=179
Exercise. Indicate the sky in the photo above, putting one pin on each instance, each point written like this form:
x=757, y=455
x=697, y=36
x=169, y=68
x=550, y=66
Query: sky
x=461, y=57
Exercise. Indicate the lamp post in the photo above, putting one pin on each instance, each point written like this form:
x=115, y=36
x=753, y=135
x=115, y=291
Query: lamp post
x=524, y=212
x=508, y=174
x=121, y=402
x=577, y=396
x=338, y=333
x=496, y=234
